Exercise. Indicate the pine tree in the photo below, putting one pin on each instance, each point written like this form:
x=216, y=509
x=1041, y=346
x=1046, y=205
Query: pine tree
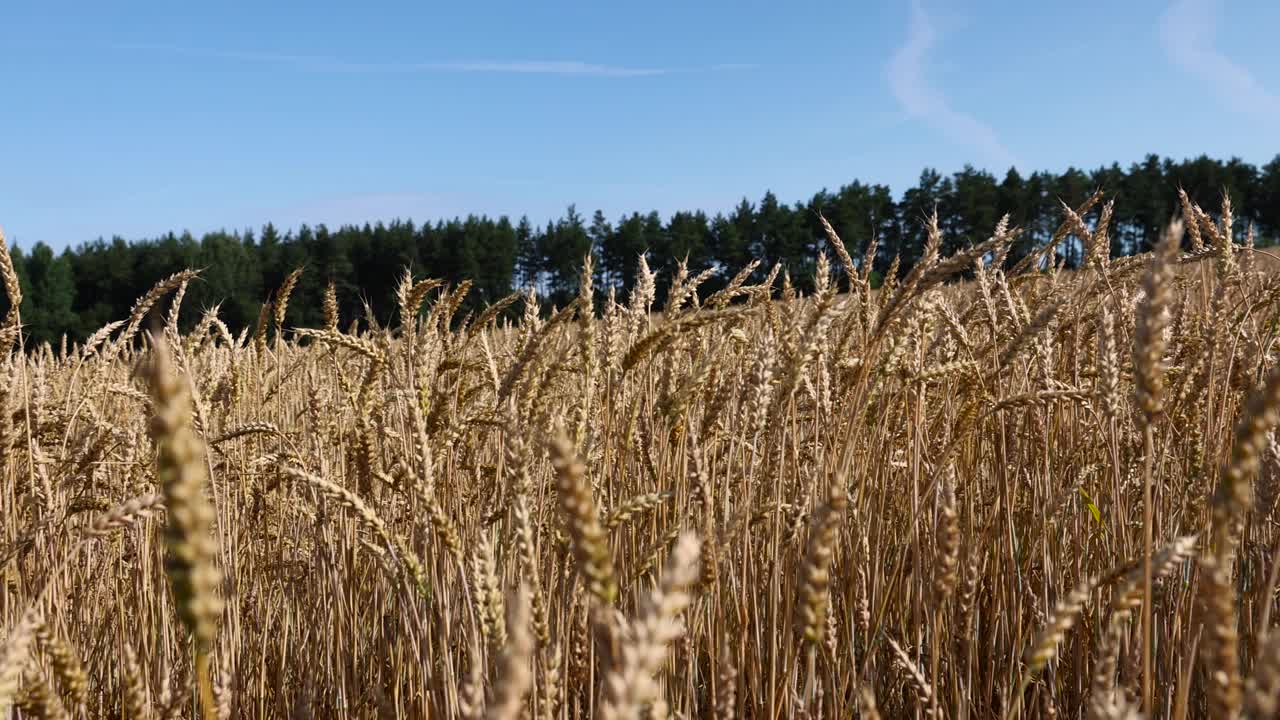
x=601, y=234
x=527, y=260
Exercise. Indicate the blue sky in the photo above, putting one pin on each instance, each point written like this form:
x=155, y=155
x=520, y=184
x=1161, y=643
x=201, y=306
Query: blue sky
x=138, y=118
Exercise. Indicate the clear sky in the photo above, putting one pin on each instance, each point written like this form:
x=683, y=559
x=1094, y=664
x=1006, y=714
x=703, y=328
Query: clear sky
x=137, y=118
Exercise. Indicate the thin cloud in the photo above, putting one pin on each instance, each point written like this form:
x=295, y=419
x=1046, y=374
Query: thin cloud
x=516, y=67
x=544, y=68
x=1187, y=31
x=911, y=88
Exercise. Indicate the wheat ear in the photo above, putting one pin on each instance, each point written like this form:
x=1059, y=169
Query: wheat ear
x=815, y=572
x=582, y=516
x=644, y=640
x=181, y=472
x=514, y=675
x=15, y=655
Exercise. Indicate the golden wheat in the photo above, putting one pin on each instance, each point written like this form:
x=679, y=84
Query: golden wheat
x=937, y=498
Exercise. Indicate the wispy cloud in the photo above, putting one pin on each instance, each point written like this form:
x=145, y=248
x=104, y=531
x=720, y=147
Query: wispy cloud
x=519, y=67
x=544, y=68
x=920, y=99
x=1187, y=31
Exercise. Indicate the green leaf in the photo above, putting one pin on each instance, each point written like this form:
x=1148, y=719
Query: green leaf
x=1093, y=509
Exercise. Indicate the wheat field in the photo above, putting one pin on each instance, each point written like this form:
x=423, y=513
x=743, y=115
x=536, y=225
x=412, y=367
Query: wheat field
x=973, y=492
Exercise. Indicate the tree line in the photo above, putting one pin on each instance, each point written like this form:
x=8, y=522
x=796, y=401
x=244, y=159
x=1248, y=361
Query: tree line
x=77, y=291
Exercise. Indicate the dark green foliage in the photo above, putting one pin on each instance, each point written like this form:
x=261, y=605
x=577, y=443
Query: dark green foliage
x=49, y=284
x=564, y=245
x=80, y=290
